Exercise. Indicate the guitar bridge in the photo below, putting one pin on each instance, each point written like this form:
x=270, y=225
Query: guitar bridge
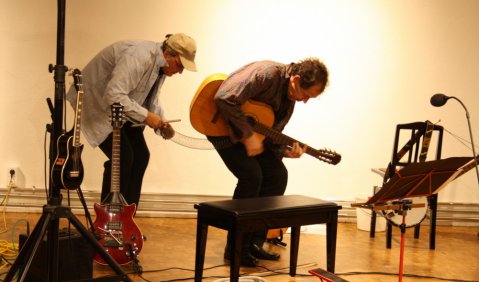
x=111, y=242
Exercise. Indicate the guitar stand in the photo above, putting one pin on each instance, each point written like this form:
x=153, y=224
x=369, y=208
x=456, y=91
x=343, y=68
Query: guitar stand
x=277, y=242
x=135, y=261
x=85, y=208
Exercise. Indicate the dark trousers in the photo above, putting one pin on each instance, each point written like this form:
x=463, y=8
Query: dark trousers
x=258, y=176
x=134, y=157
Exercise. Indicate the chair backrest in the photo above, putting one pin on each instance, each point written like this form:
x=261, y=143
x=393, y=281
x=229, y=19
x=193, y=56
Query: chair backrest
x=412, y=143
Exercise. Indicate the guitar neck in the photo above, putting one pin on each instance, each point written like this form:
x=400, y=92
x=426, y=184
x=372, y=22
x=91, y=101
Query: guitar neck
x=280, y=138
x=115, y=162
x=77, y=124
x=77, y=77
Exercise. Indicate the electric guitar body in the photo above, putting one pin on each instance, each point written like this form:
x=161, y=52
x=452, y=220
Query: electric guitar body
x=118, y=233
x=114, y=226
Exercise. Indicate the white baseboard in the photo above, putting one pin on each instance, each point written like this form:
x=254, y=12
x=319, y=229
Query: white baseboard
x=182, y=205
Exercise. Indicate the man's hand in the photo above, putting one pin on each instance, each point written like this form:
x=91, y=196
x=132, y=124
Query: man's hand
x=253, y=145
x=154, y=121
x=296, y=151
x=166, y=131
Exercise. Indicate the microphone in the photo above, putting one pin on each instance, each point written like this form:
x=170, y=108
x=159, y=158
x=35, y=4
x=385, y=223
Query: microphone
x=438, y=100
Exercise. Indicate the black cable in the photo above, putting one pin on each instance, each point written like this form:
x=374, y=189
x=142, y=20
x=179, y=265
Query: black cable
x=279, y=272
x=405, y=275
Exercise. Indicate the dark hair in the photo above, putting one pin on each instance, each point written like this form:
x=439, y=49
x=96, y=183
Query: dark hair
x=310, y=71
x=167, y=48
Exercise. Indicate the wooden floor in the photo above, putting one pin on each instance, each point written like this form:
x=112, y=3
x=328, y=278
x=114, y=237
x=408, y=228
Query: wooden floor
x=169, y=250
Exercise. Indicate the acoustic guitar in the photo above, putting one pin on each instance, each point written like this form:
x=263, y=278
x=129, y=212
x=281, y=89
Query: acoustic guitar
x=205, y=118
x=114, y=225
x=67, y=170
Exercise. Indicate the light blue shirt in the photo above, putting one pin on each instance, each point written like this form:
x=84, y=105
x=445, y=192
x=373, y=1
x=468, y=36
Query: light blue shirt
x=123, y=72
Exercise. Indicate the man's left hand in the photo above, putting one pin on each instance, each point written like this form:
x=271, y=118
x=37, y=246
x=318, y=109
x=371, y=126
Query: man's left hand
x=296, y=151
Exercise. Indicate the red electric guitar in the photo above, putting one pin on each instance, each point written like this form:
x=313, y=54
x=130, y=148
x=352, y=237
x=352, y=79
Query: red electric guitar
x=114, y=225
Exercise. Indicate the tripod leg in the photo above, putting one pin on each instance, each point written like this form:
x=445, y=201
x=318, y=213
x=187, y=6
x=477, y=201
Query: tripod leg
x=52, y=250
x=87, y=213
x=94, y=242
x=27, y=253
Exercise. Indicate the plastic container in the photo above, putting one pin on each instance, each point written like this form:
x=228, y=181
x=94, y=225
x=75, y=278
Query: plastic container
x=363, y=218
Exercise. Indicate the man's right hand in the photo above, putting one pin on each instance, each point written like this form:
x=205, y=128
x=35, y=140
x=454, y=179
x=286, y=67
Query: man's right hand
x=154, y=121
x=253, y=145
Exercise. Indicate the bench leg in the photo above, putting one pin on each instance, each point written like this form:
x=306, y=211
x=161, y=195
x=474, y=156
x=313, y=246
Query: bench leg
x=235, y=240
x=331, y=235
x=201, y=236
x=293, y=260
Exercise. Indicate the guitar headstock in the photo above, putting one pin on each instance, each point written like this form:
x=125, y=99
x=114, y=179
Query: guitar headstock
x=77, y=79
x=117, y=115
x=328, y=156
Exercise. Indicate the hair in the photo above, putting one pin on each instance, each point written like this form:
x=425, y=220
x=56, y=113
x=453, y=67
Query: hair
x=311, y=71
x=167, y=48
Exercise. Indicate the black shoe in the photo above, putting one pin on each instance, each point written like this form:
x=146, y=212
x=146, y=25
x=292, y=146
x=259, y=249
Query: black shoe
x=261, y=253
x=246, y=258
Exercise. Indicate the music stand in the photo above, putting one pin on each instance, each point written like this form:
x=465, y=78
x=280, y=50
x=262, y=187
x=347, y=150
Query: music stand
x=414, y=180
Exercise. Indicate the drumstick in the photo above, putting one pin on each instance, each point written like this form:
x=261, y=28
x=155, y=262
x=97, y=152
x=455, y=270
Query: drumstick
x=166, y=121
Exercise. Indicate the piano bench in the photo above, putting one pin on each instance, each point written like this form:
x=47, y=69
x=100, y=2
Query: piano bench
x=246, y=215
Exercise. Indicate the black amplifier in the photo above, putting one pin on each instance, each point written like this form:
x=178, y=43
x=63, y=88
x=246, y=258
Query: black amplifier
x=75, y=257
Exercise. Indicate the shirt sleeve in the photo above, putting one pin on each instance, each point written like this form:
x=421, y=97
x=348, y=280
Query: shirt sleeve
x=125, y=78
x=246, y=83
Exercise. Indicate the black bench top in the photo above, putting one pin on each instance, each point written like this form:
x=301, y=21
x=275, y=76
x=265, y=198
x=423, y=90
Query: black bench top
x=264, y=205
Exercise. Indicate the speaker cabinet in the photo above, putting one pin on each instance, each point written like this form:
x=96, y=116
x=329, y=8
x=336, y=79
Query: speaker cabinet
x=75, y=258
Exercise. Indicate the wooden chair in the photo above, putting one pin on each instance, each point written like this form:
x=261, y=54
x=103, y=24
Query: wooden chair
x=417, y=137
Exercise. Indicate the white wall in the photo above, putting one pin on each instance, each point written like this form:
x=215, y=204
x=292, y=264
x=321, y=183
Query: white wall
x=386, y=59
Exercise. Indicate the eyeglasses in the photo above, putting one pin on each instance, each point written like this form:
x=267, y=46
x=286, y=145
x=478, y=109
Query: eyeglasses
x=311, y=92
x=178, y=63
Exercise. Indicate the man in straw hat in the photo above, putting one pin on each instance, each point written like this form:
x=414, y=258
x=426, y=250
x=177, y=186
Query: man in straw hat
x=131, y=73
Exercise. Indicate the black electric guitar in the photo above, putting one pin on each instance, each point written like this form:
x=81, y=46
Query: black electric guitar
x=114, y=225
x=67, y=170
x=205, y=118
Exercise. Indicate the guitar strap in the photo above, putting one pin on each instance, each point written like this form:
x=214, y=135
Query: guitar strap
x=426, y=140
x=426, y=134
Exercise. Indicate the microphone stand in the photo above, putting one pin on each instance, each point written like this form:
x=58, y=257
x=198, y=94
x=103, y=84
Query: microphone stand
x=472, y=139
x=470, y=133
